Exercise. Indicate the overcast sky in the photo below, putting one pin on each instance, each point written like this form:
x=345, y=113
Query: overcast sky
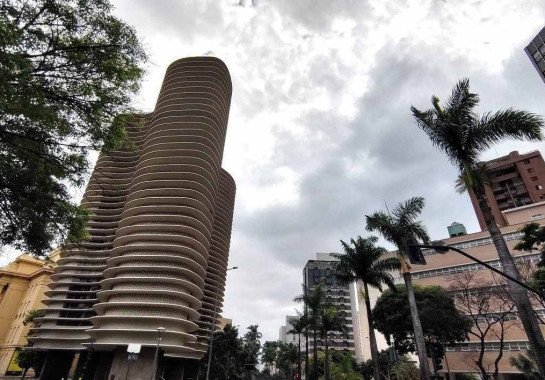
x=320, y=132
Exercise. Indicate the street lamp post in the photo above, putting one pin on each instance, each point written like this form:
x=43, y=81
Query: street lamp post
x=155, y=359
x=211, y=345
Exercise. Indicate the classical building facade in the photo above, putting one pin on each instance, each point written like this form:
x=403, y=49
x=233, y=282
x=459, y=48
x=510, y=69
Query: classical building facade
x=154, y=267
x=23, y=283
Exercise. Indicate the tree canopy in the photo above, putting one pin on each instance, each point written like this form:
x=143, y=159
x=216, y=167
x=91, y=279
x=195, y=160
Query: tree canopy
x=67, y=71
x=230, y=354
x=441, y=321
x=456, y=129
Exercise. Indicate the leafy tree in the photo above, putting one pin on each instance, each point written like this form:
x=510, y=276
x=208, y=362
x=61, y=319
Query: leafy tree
x=299, y=327
x=270, y=354
x=252, y=344
x=331, y=321
x=465, y=376
x=229, y=357
x=27, y=359
x=399, y=227
x=405, y=370
x=457, y=130
x=364, y=261
x=343, y=367
x=287, y=359
x=342, y=364
x=525, y=365
x=67, y=71
x=534, y=240
x=490, y=308
x=441, y=321
x=384, y=364
x=315, y=302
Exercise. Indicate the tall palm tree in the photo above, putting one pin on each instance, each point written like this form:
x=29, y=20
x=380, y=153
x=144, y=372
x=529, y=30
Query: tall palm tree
x=364, y=261
x=298, y=327
x=315, y=301
x=462, y=135
x=330, y=321
x=399, y=227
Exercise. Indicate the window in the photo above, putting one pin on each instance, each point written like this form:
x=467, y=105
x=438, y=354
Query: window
x=531, y=170
x=539, y=187
x=527, y=161
x=534, y=179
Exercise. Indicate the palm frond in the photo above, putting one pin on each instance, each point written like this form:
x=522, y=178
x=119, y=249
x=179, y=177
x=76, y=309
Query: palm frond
x=461, y=102
x=408, y=210
x=462, y=135
x=472, y=178
x=507, y=124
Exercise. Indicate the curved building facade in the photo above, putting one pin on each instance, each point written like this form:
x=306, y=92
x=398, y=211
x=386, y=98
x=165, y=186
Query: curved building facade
x=161, y=213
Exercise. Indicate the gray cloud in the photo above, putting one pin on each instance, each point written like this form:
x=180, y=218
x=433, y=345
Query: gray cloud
x=320, y=130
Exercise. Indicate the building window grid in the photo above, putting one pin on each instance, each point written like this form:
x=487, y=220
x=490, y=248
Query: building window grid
x=489, y=346
x=477, y=242
x=470, y=267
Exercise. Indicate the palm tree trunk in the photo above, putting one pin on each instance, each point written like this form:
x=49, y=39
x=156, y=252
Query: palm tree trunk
x=307, y=364
x=417, y=326
x=299, y=356
x=315, y=355
x=327, y=374
x=372, y=337
x=518, y=293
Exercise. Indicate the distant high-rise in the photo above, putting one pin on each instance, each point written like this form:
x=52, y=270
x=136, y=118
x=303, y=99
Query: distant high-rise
x=160, y=224
x=343, y=296
x=536, y=53
x=515, y=180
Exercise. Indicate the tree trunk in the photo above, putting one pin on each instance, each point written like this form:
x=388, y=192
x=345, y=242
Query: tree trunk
x=482, y=370
x=518, y=293
x=417, y=326
x=307, y=364
x=299, y=356
x=327, y=374
x=372, y=337
x=315, y=356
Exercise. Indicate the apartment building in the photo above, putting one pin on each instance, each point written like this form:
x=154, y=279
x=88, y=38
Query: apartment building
x=285, y=336
x=536, y=52
x=515, y=180
x=345, y=297
x=154, y=267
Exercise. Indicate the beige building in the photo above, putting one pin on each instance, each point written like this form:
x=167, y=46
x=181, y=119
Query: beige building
x=23, y=283
x=155, y=264
x=515, y=180
x=451, y=269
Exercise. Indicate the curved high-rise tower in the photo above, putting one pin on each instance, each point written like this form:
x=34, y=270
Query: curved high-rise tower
x=160, y=225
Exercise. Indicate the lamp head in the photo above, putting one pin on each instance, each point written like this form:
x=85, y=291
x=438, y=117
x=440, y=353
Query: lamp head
x=440, y=246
